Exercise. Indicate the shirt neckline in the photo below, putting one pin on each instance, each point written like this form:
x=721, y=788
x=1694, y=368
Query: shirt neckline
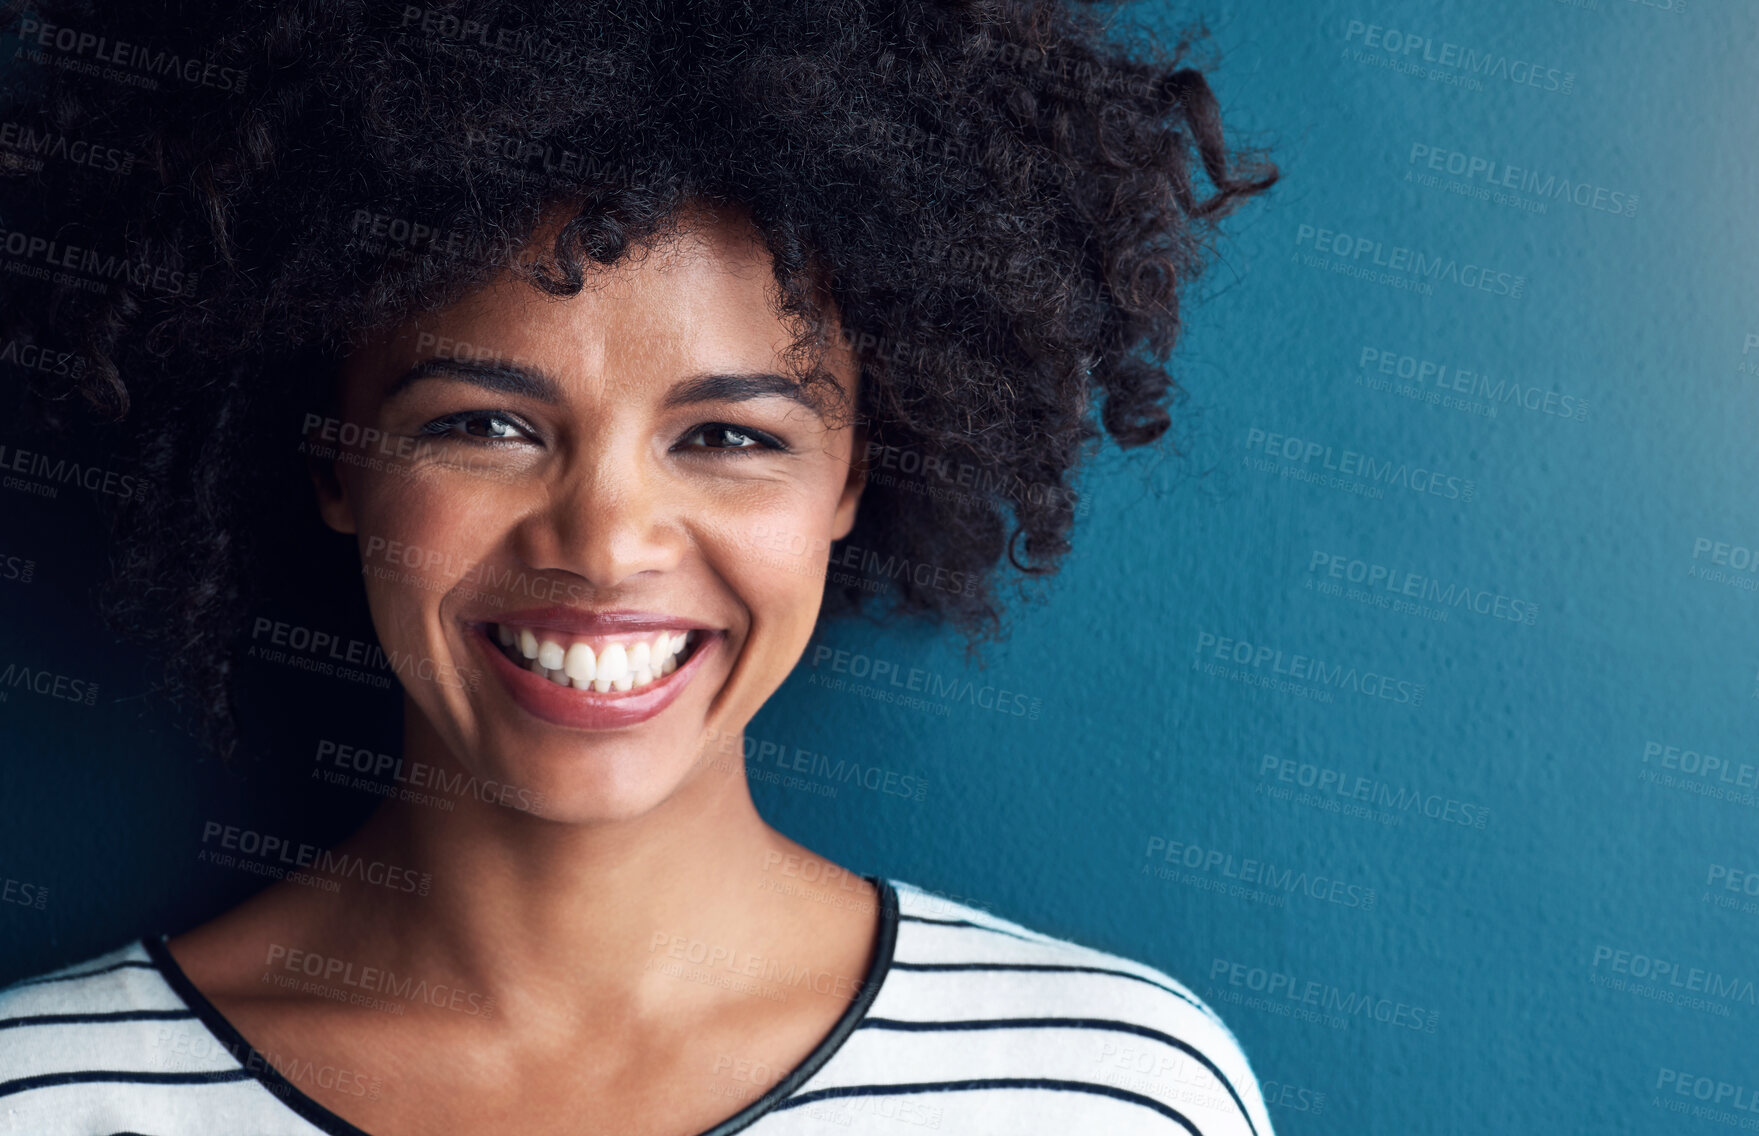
x=328, y=1122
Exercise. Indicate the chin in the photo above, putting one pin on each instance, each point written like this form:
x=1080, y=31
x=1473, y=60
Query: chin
x=592, y=780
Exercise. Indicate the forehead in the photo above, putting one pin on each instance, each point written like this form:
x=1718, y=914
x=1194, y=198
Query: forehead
x=701, y=298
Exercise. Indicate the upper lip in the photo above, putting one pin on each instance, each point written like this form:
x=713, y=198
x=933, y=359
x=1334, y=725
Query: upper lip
x=581, y=621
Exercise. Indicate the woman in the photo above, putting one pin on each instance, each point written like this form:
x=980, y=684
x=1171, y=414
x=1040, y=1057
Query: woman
x=589, y=322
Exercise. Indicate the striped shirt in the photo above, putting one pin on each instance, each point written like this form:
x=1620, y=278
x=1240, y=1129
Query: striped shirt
x=966, y=1023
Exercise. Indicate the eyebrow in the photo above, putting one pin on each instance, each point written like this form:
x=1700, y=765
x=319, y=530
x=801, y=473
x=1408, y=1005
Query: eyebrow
x=527, y=382
x=739, y=387
x=504, y=378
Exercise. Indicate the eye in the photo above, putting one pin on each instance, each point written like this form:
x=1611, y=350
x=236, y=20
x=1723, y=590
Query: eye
x=722, y=437
x=477, y=425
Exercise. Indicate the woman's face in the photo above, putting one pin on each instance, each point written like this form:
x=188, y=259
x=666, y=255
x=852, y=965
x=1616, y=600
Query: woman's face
x=593, y=529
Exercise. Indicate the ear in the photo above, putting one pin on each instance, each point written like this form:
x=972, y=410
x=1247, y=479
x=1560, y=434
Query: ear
x=332, y=491
x=321, y=452
x=852, y=487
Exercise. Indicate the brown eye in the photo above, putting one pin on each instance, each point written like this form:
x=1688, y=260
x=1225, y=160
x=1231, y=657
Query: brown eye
x=723, y=437
x=488, y=426
x=484, y=424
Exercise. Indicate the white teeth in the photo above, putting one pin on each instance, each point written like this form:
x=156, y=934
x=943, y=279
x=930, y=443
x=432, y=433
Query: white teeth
x=618, y=666
x=580, y=664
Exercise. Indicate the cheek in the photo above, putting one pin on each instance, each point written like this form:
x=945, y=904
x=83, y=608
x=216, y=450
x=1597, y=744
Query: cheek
x=419, y=537
x=772, y=554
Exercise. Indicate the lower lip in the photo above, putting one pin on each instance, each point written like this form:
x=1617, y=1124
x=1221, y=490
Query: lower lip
x=588, y=709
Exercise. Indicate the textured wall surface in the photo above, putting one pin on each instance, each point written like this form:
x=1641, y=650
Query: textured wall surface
x=1408, y=715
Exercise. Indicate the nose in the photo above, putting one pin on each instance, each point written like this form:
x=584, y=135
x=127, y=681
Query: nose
x=606, y=518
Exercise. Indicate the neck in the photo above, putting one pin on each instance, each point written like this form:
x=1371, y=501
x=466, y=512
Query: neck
x=583, y=913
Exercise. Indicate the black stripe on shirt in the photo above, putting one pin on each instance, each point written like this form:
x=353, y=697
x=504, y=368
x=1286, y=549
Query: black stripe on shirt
x=1067, y=1023
x=108, y=1016
x=256, y=1066
x=976, y=926
x=121, y=1077
x=139, y=964
x=992, y=1083
x=1058, y=966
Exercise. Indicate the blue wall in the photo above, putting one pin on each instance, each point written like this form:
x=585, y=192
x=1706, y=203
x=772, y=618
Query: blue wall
x=1477, y=863
x=1620, y=454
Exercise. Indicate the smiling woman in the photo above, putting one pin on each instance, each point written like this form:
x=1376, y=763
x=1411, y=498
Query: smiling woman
x=582, y=313
x=622, y=447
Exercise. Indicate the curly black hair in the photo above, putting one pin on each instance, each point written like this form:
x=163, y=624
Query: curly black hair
x=206, y=203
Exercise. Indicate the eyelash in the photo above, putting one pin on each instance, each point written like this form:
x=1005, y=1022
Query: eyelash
x=444, y=426
x=764, y=441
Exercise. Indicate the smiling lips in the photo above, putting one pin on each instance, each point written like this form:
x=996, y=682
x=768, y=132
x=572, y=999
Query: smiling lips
x=594, y=671
x=599, y=662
